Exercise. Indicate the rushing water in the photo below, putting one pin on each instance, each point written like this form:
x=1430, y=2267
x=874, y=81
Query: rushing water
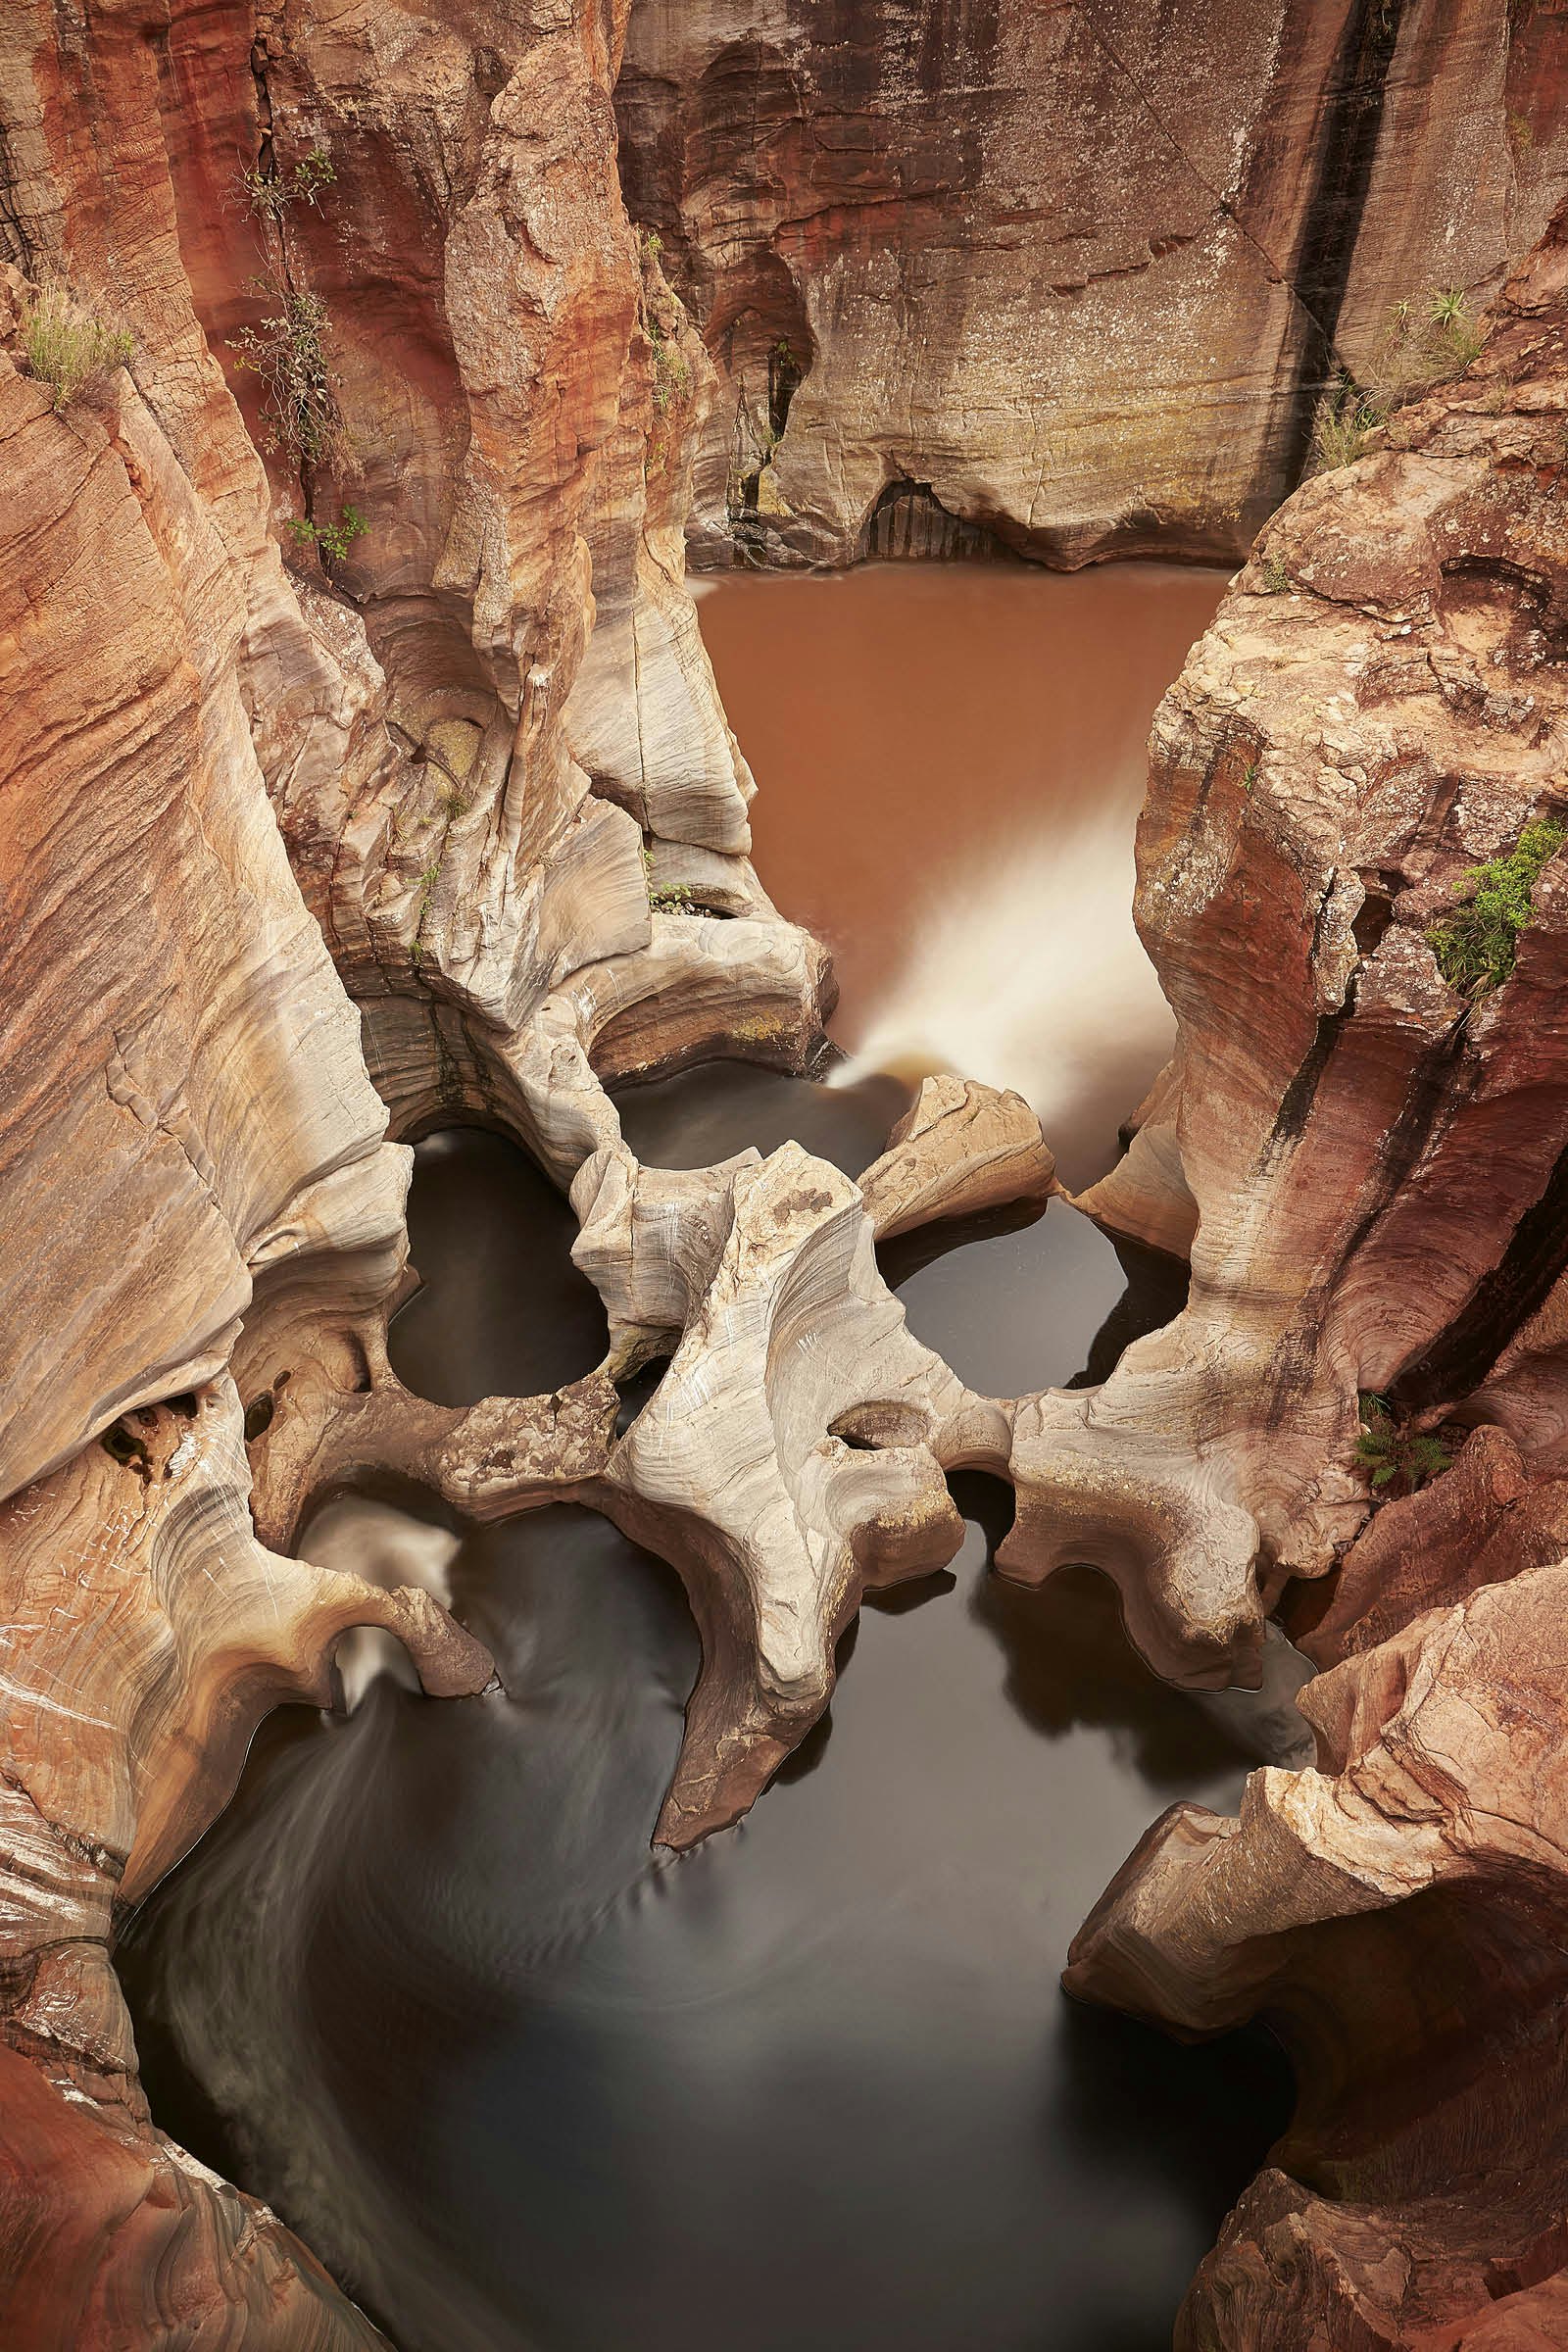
x=526, y=2085
x=950, y=759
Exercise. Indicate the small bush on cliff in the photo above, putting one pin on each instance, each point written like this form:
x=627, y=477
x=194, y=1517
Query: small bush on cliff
x=1387, y=1451
x=1475, y=946
x=287, y=349
x=1342, y=427
x=334, y=539
x=1453, y=333
x=270, y=194
x=68, y=346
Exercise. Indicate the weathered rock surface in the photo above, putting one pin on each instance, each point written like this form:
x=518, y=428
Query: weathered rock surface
x=1370, y=1156
x=791, y=1457
x=147, y=1629
x=960, y=1150
x=468, y=779
x=1374, y=1173
x=1399, y=1912
x=446, y=802
x=1065, y=278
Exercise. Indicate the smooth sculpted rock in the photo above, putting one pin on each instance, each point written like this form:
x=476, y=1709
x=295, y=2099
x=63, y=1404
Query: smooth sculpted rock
x=792, y=1457
x=960, y=1150
x=146, y=1632
x=1399, y=1912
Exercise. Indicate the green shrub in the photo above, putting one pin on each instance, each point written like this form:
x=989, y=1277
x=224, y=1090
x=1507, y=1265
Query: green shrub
x=1276, y=579
x=334, y=539
x=68, y=346
x=270, y=193
x=287, y=349
x=1387, y=1451
x=1475, y=946
x=673, y=899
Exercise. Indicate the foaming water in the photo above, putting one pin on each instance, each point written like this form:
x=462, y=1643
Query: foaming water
x=950, y=760
x=359, y=1537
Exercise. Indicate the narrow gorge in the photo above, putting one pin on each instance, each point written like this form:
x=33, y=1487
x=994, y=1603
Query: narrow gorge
x=784, y=1561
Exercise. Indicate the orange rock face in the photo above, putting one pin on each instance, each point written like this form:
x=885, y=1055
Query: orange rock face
x=375, y=281
x=363, y=772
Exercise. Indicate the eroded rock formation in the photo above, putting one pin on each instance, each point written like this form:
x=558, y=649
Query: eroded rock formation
x=1369, y=1156
x=1378, y=709
x=446, y=801
x=363, y=773
x=1062, y=279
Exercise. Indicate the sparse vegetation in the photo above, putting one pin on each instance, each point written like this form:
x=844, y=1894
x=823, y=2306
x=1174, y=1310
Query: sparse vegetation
x=334, y=539
x=1344, y=424
x=672, y=899
x=1423, y=341
x=1389, y=1449
x=287, y=349
x=68, y=346
x=1276, y=579
x=1475, y=946
x=672, y=369
x=270, y=194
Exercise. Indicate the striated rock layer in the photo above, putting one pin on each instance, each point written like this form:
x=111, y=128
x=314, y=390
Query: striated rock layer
x=364, y=772
x=1368, y=1164
x=1063, y=280
x=363, y=766
x=376, y=284
x=1362, y=1157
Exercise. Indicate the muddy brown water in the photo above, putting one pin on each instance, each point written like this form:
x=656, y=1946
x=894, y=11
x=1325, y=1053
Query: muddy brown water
x=950, y=760
x=524, y=2083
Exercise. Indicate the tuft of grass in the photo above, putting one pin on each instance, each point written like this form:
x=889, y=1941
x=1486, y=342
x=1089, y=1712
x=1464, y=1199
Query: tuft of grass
x=1387, y=1449
x=1342, y=427
x=1276, y=579
x=334, y=539
x=68, y=346
x=1476, y=946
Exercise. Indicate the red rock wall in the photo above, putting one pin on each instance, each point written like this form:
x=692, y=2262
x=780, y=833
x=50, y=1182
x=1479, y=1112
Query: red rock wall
x=1078, y=271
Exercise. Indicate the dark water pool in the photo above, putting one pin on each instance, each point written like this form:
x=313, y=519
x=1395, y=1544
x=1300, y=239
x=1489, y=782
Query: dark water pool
x=523, y=2084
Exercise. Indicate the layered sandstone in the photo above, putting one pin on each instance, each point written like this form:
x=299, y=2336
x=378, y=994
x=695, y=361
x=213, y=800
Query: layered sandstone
x=407, y=752
x=1374, y=1163
x=1062, y=279
x=1371, y=1156
x=439, y=818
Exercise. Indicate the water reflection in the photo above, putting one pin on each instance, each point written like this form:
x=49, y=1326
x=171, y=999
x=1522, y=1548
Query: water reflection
x=485, y=1222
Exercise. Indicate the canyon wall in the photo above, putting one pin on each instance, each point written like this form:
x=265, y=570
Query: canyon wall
x=1359, y=1417
x=1065, y=280
x=363, y=773
x=353, y=707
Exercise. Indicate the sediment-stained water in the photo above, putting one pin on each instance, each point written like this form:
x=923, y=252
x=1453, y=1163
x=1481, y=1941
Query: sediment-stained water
x=950, y=760
x=526, y=2085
